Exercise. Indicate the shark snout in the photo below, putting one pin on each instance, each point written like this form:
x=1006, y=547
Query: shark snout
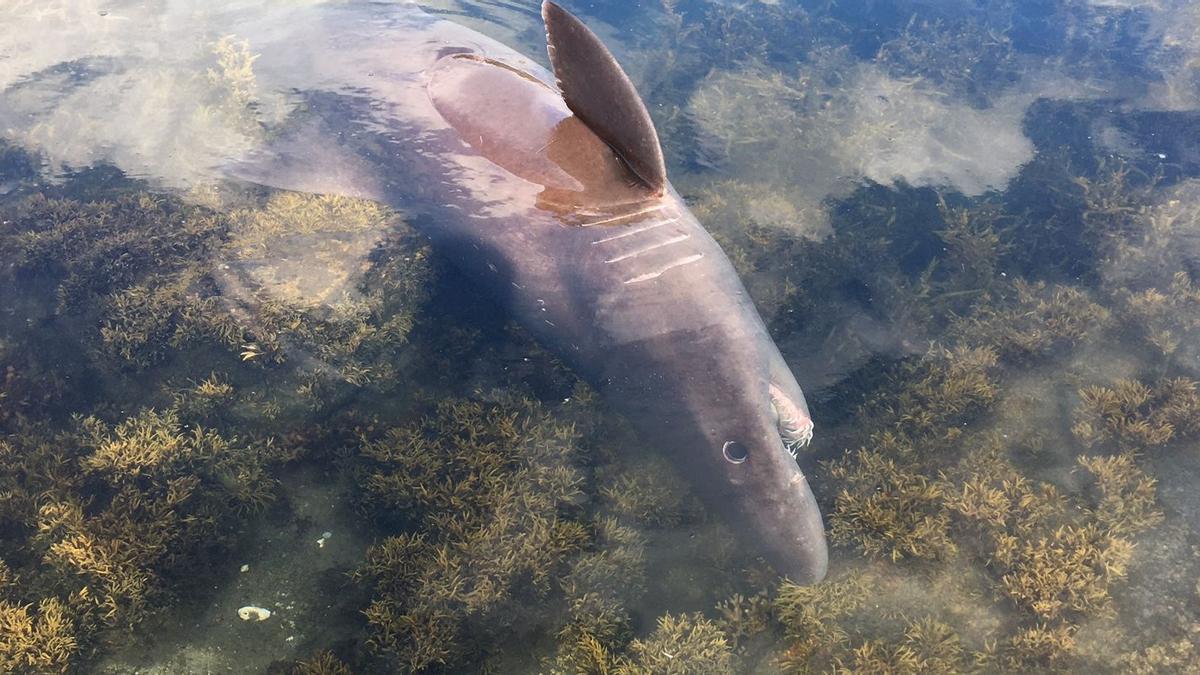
x=800, y=553
x=778, y=508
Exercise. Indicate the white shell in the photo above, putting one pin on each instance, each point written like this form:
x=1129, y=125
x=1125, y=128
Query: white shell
x=252, y=613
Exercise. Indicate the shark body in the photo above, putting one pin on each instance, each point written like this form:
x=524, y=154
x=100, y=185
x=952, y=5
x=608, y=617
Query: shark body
x=549, y=190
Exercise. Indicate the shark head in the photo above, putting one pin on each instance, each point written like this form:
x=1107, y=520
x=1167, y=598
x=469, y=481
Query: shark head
x=751, y=419
x=773, y=498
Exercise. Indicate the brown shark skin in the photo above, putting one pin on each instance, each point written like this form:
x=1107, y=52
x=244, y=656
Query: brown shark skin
x=476, y=144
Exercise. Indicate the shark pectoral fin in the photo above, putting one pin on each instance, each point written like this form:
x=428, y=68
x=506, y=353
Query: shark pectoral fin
x=305, y=157
x=599, y=92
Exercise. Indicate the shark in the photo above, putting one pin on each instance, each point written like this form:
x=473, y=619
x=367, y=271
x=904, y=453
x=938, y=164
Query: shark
x=549, y=190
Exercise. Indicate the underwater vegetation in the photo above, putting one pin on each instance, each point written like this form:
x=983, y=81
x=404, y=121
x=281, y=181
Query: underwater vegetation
x=322, y=663
x=104, y=523
x=161, y=278
x=680, y=644
x=961, y=56
x=90, y=249
x=482, y=487
x=1038, y=321
x=1028, y=532
x=354, y=314
x=649, y=493
x=1132, y=415
x=108, y=517
x=936, y=484
x=143, y=268
x=37, y=639
x=1148, y=270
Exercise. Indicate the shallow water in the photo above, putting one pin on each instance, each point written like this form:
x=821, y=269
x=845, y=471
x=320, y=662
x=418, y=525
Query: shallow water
x=973, y=230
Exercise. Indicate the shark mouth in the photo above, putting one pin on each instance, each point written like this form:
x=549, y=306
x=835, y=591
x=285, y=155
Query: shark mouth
x=795, y=426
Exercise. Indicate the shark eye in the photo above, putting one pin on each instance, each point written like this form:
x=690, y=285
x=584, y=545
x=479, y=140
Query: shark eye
x=734, y=452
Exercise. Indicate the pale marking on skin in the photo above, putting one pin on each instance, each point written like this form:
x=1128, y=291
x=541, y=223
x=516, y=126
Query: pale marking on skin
x=654, y=275
x=796, y=437
x=622, y=216
x=634, y=231
x=795, y=428
x=651, y=247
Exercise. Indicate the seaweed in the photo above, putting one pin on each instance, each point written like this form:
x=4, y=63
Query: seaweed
x=812, y=618
x=1135, y=415
x=482, y=486
x=887, y=511
x=927, y=646
x=1037, y=647
x=680, y=645
x=321, y=663
x=114, y=517
x=925, y=403
x=683, y=644
x=1067, y=570
x=1114, y=200
x=347, y=307
x=160, y=276
x=890, y=502
x=744, y=618
x=172, y=489
x=924, y=488
x=88, y=250
x=598, y=588
x=1038, y=322
x=40, y=640
x=965, y=57
x=1050, y=555
x=650, y=493
x=975, y=248
x=1166, y=320
x=1174, y=656
x=1125, y=501
x=233, y=81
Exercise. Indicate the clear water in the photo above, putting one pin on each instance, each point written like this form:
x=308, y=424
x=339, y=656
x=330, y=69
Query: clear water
x=973, y=229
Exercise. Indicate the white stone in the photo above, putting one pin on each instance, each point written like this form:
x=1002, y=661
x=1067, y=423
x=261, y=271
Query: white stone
x=252, y=613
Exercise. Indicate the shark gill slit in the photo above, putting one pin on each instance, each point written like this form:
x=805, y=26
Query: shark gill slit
x=646, y=249
x=654, y=275
x=622, y=216
x=636, y=230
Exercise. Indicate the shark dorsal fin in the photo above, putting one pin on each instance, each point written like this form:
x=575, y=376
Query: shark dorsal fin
x=601, y=95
